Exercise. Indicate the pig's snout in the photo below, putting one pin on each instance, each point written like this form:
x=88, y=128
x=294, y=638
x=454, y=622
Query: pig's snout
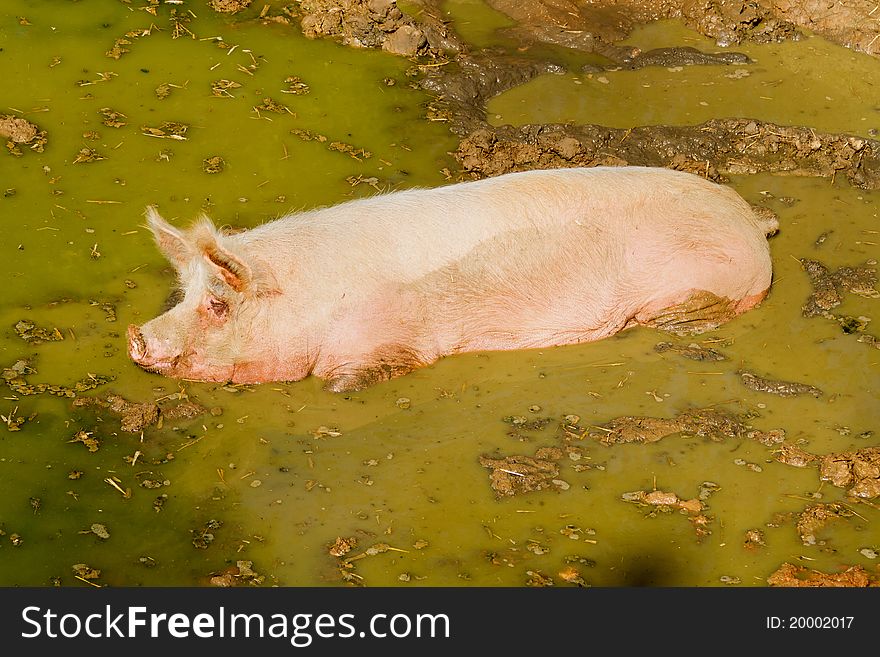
x=137, y=346
x=151, y=354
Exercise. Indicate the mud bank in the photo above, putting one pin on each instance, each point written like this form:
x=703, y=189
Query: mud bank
x=586, y=25
x=713, y=149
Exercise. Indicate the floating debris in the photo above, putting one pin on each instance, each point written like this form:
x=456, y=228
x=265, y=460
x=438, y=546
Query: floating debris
x=352, y=151
x=203, y=537
x=538, y=579
x=858, y=471
x=112, y=118
x=84, y=571
x=663, y=499
x=666, y=502
x=342, y=546
x=108, y=308
x=213, y=164
x=100, y=531
x=269, y=105
x=781, y=388
x=163, y=91
x=167, y=130
x=221, y=88
x=829, y=287
x=13, y=421
x=710, y=423
x=17, y=383
x=326, y=432
x=790, y=575
x=692, y=351
x=88, y=155
x=295, y=86
x=33, y=334
x=159, y=502
x=241, y=574
x=137, y=416
x=754, y=539
x=514, y=475
x=86, y=438
x=815, y=517
x=308, y=135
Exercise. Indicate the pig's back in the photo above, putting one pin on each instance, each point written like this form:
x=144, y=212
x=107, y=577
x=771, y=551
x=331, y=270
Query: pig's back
x=409, y=233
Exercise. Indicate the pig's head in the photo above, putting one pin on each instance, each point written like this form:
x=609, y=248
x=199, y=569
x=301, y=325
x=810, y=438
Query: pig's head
x=216, y=332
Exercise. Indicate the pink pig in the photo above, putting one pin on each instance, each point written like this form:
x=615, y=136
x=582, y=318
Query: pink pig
x=374, y=288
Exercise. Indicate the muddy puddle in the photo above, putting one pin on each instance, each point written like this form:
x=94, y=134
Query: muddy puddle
x=608, y=464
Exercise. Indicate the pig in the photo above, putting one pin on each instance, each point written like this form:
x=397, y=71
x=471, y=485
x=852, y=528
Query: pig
x=374, y=288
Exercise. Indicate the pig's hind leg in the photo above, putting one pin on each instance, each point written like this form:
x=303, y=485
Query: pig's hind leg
x=699, y=312
x=384, y=363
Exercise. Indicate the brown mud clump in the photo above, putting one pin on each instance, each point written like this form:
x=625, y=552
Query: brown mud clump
x=229, y=6
x=241, y=574
x=667, y=502
x=714, y=424
x=692, y=351
x=815, y=517
x=514, y=475
x=21, y=131
x=790, y=575
x=830, y=286
x=793, y=455
x=774, y=387
x=372, y=24
x=858, y=471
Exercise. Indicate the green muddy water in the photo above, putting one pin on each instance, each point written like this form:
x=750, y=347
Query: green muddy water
x=286, y=469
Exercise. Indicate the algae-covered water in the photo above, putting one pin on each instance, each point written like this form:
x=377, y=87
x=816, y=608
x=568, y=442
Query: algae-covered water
x=275, y=474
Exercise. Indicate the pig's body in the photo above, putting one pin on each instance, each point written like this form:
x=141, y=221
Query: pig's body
x=374, y=288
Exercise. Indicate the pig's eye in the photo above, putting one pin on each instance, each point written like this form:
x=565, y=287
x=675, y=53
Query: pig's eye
x=218, y=307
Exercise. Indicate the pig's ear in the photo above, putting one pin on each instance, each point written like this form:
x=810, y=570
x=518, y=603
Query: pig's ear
x=172, y=243
x=234, y=271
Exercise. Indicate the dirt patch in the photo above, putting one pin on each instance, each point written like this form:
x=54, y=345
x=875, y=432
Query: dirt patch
x=790, y=575
x=514, y=475
x=15, y=377
x=135, y=417
x=714, y=424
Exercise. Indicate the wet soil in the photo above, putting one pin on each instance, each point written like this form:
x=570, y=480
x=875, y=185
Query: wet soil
x=801, y=576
